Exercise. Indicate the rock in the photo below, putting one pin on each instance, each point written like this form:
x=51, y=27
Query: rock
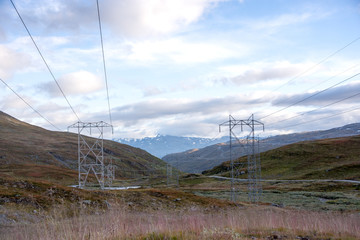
x=88, y=202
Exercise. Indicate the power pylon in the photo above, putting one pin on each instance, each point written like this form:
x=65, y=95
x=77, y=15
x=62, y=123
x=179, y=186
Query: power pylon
x=168, y=174
x=91, y=154
x=251, y=149
x=172, y=177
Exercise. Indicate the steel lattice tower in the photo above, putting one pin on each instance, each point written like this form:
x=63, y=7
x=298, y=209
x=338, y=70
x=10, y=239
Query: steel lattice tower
x=172, y=177
x=91, y=154
x=251, y=149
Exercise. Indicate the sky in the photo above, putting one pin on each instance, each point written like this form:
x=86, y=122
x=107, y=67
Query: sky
x=181, y=67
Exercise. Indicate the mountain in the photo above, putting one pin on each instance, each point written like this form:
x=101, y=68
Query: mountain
x=162, y=145
x=332, y=158
x=37, y=152
x=198, y=160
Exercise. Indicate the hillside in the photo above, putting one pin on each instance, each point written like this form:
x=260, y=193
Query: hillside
x=336, y=158
x=198, y=160
x=36, y=202
x=22, y=143
x=162, y=145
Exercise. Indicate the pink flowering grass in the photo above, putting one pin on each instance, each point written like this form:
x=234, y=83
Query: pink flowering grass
x=230, y=224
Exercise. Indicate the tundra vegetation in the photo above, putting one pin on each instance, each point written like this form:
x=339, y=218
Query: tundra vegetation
x=37, y=201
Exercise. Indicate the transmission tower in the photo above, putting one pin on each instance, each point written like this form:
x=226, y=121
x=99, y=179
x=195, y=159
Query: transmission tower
x=168, y=174
x=251, y=149
x=91, y=154
x=172, y=177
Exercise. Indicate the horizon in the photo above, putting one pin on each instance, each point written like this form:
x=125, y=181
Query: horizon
x=180, y=68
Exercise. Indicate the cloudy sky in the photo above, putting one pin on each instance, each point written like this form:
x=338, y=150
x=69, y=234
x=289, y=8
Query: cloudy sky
x=180, y=67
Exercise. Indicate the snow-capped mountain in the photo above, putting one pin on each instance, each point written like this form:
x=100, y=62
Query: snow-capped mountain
x=196, y=161
x=162, y=145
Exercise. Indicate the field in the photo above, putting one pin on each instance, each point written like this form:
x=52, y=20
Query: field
x=38, y=168
x=195, y=209
x=250, y=223
x=335, y=158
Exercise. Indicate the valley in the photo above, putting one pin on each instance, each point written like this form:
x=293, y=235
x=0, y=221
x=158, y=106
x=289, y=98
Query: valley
x=301, y=197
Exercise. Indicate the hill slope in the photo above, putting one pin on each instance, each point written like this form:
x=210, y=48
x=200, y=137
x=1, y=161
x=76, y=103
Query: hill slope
x=22, y=143
x=336, y=158
x=198, y=160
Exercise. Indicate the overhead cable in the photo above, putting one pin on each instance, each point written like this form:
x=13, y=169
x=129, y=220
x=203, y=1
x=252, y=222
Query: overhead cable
x=313, y=95
x=317, y=64
x=103, y=57
x=316, y=109
x=333, y=115
x=37, y=112
x=42, y=57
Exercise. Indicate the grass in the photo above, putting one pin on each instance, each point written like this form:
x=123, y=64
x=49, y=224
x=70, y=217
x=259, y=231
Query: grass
x=35, y=202
x=259, y=222
x=43, y=210
x=336, y=201
x=334, y=196
x=335, y=158
x=48, y=173
x=22, y=143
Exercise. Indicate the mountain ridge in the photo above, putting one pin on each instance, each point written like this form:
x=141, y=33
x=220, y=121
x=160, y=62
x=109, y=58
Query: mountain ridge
x=162, y=145
x=331, y=158
x=206, y=158
x=25, y=144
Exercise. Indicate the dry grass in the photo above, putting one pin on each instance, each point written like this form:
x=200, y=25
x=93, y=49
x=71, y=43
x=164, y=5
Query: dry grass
x=335, y=158
x=22, y=143
x=259, y=222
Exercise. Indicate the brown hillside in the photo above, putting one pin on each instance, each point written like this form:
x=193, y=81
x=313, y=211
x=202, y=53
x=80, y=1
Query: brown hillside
x=336, y=158
x=22, y=143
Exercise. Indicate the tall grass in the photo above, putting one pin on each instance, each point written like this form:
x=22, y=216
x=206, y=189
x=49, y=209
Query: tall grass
x=197, y=224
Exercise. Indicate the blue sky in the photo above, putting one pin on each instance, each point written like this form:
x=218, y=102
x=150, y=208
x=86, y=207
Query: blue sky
x=180, y=67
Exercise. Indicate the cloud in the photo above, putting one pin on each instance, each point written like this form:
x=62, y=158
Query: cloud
x=274, y=24
x=320, y=119
x=144, y=18
x=177, y=50
x=282, y=20
x=187, y=127
x=75, y=83
x=11, y=61
x=2, y=34
x=259, y=72
x=152, y=91
x=129, y=18
x=324, y=98
x=160, y=108
x=55, y=15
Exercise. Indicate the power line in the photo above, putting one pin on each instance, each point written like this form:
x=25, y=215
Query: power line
x=317, y=64
x=330, y=104
x=328, y=79
x=343, y=112
x=313, y=95
x=28, y=104
x=47, y=66
x=312, y=67
x=104, y=63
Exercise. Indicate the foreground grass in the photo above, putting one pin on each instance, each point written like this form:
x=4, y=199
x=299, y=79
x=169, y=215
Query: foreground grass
x=258, y=222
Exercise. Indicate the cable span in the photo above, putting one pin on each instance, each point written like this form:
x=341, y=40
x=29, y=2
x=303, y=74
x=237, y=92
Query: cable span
x=104, y=63
x=28, y=104
x=330, y=104
x=317, y=64
x=47, y=66
x=313, y=95
x=336, y=114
